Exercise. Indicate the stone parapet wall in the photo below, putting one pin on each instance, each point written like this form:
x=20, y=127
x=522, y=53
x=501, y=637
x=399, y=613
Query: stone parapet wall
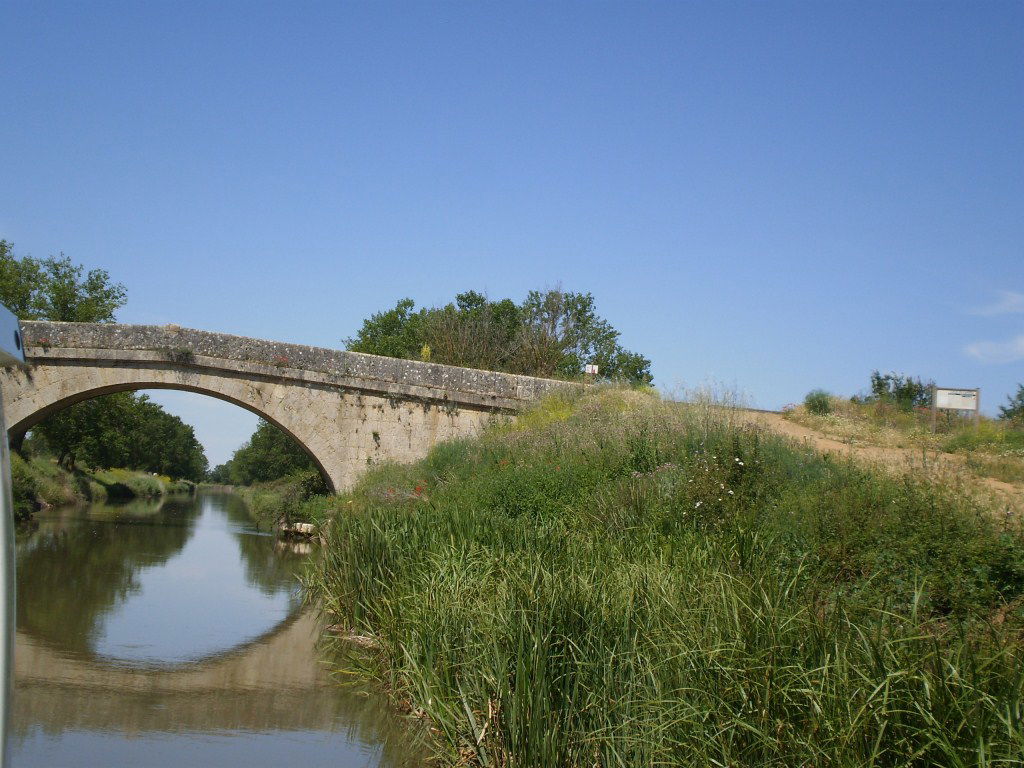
x=390, y=377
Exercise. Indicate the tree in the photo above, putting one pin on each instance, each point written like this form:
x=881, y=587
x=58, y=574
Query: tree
x=269, y=455
x=552, y=333
x=123, y=430
x=1013, y=411
x=565, y=333
x=906, y=392
x=56, y=289
x=393, y=333
x=221, y=474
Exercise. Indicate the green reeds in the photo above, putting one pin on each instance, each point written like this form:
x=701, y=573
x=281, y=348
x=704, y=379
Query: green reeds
x=642, y=583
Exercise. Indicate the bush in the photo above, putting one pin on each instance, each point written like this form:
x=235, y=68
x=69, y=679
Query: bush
x=24, y=489
x=818, y=402
x=283, y=500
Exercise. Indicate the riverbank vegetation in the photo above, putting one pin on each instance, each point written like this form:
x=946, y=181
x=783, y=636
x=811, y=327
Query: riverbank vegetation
x=615, y=580
x=550, y=333
x=115, y=447
x=273, y=474
x=896, y=413
x=40, y=481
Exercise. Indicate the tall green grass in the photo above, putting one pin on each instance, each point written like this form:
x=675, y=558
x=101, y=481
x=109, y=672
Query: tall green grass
x=625, y=582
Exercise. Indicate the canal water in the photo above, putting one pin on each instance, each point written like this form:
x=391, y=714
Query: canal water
x=173, y=633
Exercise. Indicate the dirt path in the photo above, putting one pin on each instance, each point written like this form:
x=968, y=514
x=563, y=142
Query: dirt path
x=900, y=459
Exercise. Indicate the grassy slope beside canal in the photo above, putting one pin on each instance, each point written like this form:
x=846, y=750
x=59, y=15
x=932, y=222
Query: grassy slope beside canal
x=39, y=481
x=620, y=581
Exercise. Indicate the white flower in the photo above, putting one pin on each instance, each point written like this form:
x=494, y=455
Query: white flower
x=731, y=493
x=697, y=504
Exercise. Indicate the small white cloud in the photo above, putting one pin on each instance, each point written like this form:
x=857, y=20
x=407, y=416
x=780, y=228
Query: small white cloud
x=1008, y=303
x=997, y=351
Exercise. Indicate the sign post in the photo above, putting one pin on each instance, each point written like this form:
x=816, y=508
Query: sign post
x=956, y=400
x=11, y=353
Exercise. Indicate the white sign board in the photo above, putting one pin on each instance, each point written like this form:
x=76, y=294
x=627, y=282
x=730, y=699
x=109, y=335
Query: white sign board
x=591, y=369
x=956, y=399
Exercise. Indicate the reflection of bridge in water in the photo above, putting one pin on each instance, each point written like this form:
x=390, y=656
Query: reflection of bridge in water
x=272, y=683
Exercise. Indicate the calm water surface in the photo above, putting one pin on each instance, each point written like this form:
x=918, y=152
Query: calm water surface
x=170, y=634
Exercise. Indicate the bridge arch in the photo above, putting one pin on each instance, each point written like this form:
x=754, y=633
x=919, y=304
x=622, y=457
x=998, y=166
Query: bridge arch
x=347, y=410
x=86, y=384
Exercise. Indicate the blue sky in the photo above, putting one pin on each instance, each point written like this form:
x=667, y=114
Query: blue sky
x=774, y=197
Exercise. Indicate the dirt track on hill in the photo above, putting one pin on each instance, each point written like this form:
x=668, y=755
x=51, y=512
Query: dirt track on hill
x=899, y=459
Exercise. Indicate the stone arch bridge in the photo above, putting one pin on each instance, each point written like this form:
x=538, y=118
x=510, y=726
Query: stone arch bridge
x=347, y=410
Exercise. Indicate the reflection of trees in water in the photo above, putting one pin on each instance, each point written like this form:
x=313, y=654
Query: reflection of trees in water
x=268, y=568
x=72, y=570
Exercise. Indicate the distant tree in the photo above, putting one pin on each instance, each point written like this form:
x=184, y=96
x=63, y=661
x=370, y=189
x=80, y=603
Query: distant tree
x=269, y=455
x=905, y=392
x=552, y=333
x=474, y=332
x=221, y=474
x=1013, y=411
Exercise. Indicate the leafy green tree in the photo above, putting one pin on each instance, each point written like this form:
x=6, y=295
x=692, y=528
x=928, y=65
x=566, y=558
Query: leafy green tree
x=221, y=474
x=56, y=289
x=473, y=332
x=393, y=333
x=552, y=333
x=269, y=455
x=124, y=430
x=1013, y=411
x=906, y=392
x=567, y=333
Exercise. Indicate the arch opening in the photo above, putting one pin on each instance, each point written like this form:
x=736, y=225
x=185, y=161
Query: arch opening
x=27, y=422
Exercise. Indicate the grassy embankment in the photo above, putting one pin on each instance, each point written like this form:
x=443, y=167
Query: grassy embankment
x=620, y=581
x=39, y=481
x=992, y=449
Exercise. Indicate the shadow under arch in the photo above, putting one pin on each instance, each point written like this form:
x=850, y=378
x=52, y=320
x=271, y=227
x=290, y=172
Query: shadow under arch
x=18, y=429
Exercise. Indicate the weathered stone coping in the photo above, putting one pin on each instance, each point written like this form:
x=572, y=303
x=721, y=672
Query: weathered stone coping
x=189, y=349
